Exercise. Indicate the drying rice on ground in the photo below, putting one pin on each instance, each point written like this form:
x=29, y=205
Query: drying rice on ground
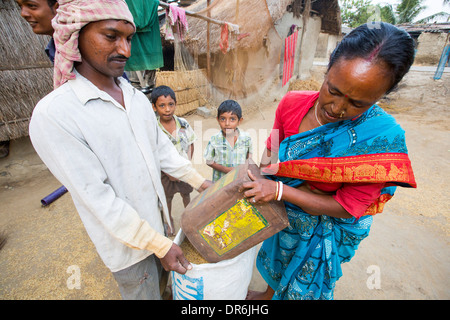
x=304, y=85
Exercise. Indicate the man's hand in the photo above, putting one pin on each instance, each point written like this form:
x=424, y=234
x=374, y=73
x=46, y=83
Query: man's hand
x=205, y=185
x=174, y=260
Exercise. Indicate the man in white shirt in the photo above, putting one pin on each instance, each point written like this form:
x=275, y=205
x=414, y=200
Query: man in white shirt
x=99, y=137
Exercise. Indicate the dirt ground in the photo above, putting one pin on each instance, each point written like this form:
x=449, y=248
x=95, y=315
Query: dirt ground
x=407, y=251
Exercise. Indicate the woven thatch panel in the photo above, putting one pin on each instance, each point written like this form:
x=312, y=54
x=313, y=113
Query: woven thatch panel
x=25, y=71
x=20, y=91
x=189, y=86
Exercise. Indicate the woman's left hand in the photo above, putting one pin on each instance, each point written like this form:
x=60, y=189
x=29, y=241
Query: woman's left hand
x=259, y=190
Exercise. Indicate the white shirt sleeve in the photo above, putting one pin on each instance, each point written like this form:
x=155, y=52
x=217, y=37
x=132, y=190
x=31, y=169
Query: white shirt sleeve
x=62, y=148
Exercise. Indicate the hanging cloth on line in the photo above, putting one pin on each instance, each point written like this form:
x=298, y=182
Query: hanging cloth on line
x=146, y=47
x=225, y=31
x=176, y=17
x=290, y=44
x=224, y=38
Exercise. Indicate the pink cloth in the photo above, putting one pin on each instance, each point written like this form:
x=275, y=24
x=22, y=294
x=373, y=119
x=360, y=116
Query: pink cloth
x=71, y=16
x=290, y=44
x=176, y=16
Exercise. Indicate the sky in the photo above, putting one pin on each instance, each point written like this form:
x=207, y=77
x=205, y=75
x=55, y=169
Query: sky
x=433, y=6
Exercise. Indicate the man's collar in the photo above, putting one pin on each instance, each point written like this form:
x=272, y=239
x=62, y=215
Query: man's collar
x=85, y=90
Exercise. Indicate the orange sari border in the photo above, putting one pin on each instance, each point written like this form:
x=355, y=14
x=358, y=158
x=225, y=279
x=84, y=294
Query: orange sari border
x=391, y=168
x=378, y=205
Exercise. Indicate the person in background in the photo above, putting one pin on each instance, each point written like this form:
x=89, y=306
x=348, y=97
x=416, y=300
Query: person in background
x=181, y=135
x=99, y=137
x=39, y=14
x=230, y=147
x=341, y=159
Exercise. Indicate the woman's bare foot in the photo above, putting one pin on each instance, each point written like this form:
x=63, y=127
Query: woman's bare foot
x=260, y=295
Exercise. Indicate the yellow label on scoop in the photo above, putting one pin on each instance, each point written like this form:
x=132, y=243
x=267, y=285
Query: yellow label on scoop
x=235, y=225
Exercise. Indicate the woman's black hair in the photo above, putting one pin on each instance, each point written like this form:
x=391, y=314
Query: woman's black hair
x=51, y=3
x=162, y=91
x=378, y=42
x=230, y=106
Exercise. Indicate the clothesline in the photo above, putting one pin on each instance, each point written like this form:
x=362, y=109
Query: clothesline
x=208, y=19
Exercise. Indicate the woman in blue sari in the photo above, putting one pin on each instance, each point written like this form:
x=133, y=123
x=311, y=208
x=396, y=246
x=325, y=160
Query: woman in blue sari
x=341, y=159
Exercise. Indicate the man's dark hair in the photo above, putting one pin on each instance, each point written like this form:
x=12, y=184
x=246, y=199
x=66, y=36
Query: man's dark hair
x=230, y=106
x=381, y=42
x=162, y=91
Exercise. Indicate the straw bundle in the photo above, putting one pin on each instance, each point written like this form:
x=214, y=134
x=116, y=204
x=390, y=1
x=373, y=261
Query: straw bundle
x=304, y=85
x=189, y=86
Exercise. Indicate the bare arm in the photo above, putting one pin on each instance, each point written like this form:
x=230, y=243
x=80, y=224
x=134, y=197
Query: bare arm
x=190, y=152
x=219, y=167
x=264, y=190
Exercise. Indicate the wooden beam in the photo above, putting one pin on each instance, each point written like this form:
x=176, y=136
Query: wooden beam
x=208, y=42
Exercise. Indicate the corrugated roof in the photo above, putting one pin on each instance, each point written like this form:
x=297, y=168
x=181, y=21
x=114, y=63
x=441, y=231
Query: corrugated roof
x=431, y=27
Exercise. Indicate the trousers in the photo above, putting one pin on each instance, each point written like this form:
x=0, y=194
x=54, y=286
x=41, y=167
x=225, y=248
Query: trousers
x=140, y=281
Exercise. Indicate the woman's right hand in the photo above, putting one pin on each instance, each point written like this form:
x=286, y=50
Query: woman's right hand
x=259, y=190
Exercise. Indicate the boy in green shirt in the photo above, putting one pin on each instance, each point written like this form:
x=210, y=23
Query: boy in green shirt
x=230, y=147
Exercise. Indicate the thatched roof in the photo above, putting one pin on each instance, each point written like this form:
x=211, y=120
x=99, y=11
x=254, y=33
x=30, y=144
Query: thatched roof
x=330, y=13
x=25, y=71
x=328, y=10
x=417, y=29
x=277, y=8
x=255, y=18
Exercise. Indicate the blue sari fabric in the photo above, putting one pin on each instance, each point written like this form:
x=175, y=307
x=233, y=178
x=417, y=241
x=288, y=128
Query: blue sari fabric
x=304, y=260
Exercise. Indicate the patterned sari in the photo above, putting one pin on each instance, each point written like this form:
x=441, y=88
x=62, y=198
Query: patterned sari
x=304, y=260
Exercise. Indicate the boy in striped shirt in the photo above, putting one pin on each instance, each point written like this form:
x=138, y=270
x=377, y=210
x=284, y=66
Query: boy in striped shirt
x=230, y=147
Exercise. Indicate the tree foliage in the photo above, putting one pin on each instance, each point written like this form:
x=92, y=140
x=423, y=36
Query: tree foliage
x=357, y=12
x=408, y=10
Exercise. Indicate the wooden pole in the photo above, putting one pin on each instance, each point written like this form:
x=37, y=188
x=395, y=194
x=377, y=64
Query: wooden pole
x=236, y=72
x=208, y=43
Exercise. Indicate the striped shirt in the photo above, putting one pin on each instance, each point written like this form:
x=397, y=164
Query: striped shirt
x=184, y=135
x=221, y=152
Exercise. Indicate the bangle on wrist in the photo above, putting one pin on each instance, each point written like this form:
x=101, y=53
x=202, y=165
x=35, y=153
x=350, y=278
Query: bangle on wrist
x=280, y=191
x=276, y=192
